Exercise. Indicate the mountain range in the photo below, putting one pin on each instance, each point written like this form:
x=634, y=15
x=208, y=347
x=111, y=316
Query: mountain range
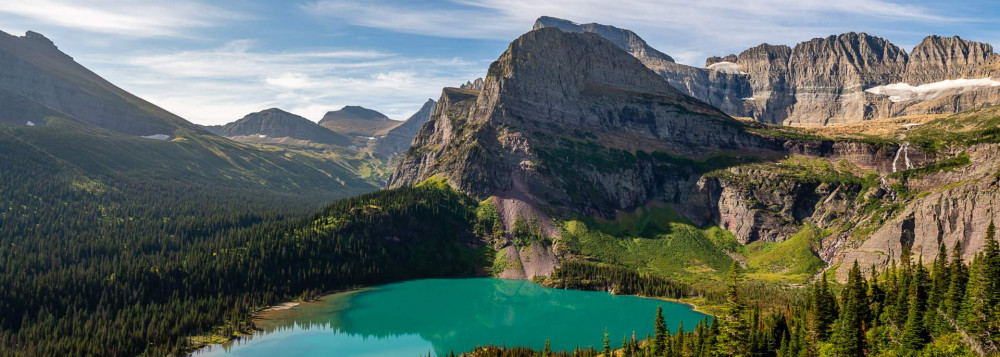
x=603, y=134
x=581, y=144
x=837, y=79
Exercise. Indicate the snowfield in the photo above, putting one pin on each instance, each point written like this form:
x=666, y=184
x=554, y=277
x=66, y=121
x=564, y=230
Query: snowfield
x=901, y=92
x=157, y=136
x=727, y=67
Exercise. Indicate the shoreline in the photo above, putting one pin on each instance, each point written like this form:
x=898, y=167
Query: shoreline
x=287, y=305
x=212, y=340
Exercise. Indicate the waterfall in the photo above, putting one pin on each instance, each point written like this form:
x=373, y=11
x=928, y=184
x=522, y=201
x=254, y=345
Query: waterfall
x=905, y=150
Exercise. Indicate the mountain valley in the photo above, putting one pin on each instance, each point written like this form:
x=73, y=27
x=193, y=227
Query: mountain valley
x=832, y=198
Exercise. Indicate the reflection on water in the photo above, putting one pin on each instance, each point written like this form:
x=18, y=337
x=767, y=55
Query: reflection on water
x=441, y=315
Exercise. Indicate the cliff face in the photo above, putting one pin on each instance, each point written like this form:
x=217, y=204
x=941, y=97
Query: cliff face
x=836, y=79
x=275, y=124
x=829, y=76
x=724, y=88
x=581, y=89
x=570, y=123
x=939, y=58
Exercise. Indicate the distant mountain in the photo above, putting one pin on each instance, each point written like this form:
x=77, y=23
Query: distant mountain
x=56, y=109
x=33, y=67
x=358, y=121
x=836, y=79
x=398, y=140
x=275, y=125
x=473, y=85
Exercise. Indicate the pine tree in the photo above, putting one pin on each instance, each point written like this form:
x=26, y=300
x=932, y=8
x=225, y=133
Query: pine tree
x=679, y=350
x=824, y=306
x=991, y=276
x=956, y=285
x=915, y=331
x=939, y=289
x=733, y=338
x=660, y=330
x=607, y=344
x=876, y=294
x=849, y=335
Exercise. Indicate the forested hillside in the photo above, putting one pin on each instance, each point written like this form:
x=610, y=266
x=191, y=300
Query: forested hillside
x=83, y=280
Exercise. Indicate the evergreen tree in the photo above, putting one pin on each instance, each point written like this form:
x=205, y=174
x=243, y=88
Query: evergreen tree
x=824, y=308
x=915, y=331
x=991, y=280
x=849, y=332
x=959, y=277
x=733, y=338
x=939, y=289
x=660, y=330
x=607, y=344
x=876, y=294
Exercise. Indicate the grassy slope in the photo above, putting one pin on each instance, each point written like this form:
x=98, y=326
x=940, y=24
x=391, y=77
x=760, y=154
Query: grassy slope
x=191, y=157
x=656, y=240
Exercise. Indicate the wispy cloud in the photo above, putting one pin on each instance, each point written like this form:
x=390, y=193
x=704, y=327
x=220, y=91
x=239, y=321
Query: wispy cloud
x=218, y=85
x=118, y=17
x=676, y=26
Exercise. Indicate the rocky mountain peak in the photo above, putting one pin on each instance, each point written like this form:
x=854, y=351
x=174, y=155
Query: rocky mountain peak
x=474, y=85
x=272, y=124
x=716, y=59
x=359, y=122
x=549, y=89
x=938, y=58
x=624, y=39
x=354, y=112
x=35, y=36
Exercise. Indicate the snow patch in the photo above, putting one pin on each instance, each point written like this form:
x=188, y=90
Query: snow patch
x=901, y=92
x=157, y=136
x=29, y=123
x=727, y=67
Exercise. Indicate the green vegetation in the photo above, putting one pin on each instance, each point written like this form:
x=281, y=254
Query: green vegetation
x=795, y=257
x=615, y=279
x=949, y=164
x=128, y=279
x=655, y=240
x=906, y=310
x=972, y=127
x=666, y=244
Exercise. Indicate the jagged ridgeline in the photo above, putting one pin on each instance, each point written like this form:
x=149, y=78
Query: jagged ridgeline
x=149, y=301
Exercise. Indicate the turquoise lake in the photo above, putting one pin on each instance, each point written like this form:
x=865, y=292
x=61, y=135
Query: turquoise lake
x=436, y=316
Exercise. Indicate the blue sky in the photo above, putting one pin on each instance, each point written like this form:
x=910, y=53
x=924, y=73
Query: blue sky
x=214, y=61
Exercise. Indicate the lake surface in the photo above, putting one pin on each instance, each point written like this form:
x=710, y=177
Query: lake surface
x=437, y=316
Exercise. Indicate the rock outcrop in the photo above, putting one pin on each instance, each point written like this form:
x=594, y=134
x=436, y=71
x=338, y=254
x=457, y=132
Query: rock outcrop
x=273, y=125
x=724, y=89
x=939, y=58
x=473, y=85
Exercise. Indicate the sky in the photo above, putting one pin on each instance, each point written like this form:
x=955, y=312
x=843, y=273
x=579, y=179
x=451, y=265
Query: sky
x=213, y=62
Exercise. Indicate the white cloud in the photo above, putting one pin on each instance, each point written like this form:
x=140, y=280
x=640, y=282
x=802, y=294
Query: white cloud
x=219, y=85
x=901, y=92
x=686, y=30
x=125, y=18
